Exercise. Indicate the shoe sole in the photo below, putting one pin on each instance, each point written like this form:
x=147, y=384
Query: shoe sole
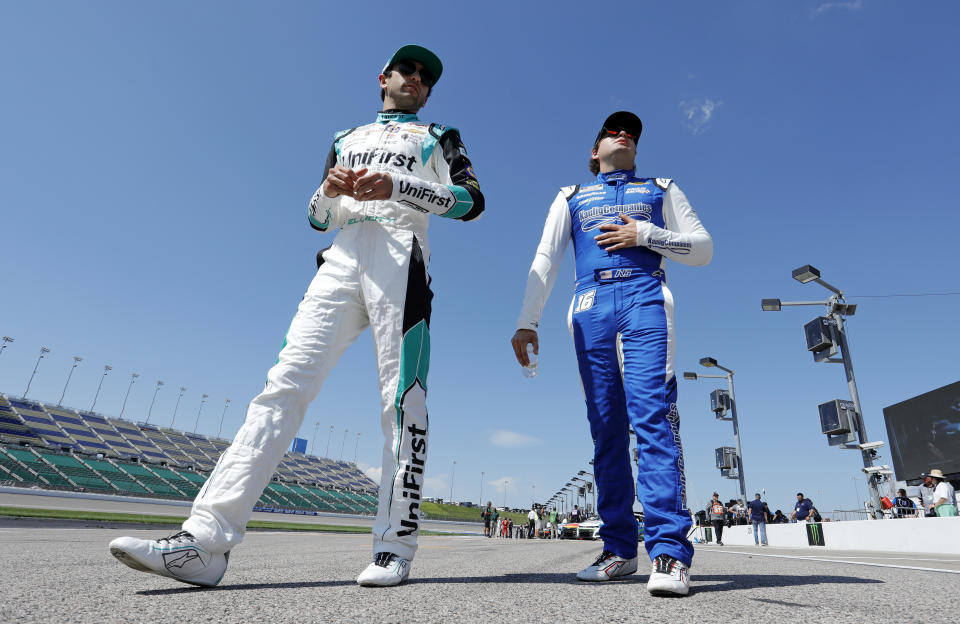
x=130, y=561
x=374, y=584
x=668, y=593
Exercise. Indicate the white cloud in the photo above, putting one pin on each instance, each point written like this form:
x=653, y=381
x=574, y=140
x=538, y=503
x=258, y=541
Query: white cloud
x=513, y=439
x=370, y=471
x=852, y=5
x=698, y=114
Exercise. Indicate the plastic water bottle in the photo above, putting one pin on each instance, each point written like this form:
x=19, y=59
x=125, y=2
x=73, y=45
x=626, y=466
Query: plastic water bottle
x=530, y=370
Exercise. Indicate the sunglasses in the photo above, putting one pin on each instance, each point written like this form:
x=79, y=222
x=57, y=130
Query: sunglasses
x=407, y=68
x=612, y=134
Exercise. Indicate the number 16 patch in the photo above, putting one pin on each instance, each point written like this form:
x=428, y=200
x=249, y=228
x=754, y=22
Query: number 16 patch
x=585, y=301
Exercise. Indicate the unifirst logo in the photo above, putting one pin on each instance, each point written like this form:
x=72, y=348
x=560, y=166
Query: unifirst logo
x=380, y=157
x=425, y=193
x=411, y=487
x=592, y=218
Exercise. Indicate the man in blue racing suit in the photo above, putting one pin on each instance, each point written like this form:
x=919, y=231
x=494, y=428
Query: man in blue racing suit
x=623, y=228
x=382, y=182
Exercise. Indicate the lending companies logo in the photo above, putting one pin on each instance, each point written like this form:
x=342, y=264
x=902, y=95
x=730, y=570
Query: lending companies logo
x=592, y=218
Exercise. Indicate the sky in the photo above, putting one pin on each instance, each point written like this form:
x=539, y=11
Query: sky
x=156, y=161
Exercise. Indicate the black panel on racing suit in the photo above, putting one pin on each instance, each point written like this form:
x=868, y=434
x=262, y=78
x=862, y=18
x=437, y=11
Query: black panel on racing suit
x=461, y=171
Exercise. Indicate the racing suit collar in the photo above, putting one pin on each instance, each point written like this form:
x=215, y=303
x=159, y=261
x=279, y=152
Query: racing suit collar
x=617, y=175
x=395, y=115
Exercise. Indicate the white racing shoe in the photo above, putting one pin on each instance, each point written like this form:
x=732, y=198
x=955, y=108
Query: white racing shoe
x=669, y=577
x=608, y=566
x=177, y=556
x=387, y=569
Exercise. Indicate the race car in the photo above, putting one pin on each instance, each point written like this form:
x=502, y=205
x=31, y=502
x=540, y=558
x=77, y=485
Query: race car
x=588, y=529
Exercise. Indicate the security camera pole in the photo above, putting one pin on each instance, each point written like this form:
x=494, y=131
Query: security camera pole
x=710, y=362
x=837, y=309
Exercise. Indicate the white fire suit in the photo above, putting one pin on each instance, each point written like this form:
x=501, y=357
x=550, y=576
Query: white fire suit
x=375, y=274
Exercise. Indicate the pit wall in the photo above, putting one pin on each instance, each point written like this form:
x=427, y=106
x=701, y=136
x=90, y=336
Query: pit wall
x=913, y=535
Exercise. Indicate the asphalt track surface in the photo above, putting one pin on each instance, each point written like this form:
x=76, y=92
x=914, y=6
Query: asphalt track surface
x=57, y=574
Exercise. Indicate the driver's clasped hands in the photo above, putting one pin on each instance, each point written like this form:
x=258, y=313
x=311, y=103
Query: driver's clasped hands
x=361, y=185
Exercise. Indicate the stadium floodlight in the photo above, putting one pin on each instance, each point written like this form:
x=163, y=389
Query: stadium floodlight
x=806, y=274
x=76, y=362
x=690, y=376
x=106, y=369
x=133, y=378
x=708, y=362
x=870, y=445
x=203, y=400
x=177, y=406
x=43, y=351
x=326, y=453
x=770, y=305
x=3, y=345
x=875, y=469
x=156, y=390
x=226, y=404
x=826, y=337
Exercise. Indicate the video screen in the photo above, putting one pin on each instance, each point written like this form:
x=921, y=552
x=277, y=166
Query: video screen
x=924, y=433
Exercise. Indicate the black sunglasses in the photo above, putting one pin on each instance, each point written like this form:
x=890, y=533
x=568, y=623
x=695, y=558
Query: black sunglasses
x=407, y=68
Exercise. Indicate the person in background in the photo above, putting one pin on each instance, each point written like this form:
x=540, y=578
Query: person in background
x=903, y=506
x=801, y=511
x=487, y=515
x=944, y=497
x=759, y=514
x=717, y=513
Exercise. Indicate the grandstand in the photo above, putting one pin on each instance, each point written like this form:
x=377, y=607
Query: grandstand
x=65, y=449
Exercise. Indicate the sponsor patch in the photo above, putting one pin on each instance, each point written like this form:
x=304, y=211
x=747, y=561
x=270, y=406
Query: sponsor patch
x=593, y=218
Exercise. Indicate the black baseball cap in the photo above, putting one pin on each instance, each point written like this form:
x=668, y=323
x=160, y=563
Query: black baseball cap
x=420, y=54
x=621, y=119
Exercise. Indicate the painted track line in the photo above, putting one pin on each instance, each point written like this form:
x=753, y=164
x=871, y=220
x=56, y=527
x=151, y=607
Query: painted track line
x=859, y=563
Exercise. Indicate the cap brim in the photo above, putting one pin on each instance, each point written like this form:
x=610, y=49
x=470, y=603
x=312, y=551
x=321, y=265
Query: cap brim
x=420, y=54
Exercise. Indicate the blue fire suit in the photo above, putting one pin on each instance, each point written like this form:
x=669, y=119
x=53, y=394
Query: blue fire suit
x=623, y=311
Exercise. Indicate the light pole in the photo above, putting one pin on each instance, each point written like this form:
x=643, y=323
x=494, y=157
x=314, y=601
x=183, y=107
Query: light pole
x=453, y=473
x=326, y=453
x=76, y=362
x=837, y=309
x=481, y=487
x=196, y=423
x=226, y=404
x=106, y=369
x=710, y=362
x=133, y=378
x=43, y=351
x=313, y=441
x=156, y=390
x=534, y=494
x=356, y=445
x=593, y=487
x=6, y=339
x=506, y=482
x=343, y=444
x=177, y=406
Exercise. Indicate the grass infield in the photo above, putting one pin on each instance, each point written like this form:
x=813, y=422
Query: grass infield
x=97, y=516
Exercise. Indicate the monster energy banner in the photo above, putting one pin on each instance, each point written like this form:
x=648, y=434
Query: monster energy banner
x=815, y=534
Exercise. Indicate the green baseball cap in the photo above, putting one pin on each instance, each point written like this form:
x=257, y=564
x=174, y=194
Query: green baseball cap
x=420, y=54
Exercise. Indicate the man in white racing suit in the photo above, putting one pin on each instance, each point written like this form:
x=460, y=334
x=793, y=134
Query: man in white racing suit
x=382, y=182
